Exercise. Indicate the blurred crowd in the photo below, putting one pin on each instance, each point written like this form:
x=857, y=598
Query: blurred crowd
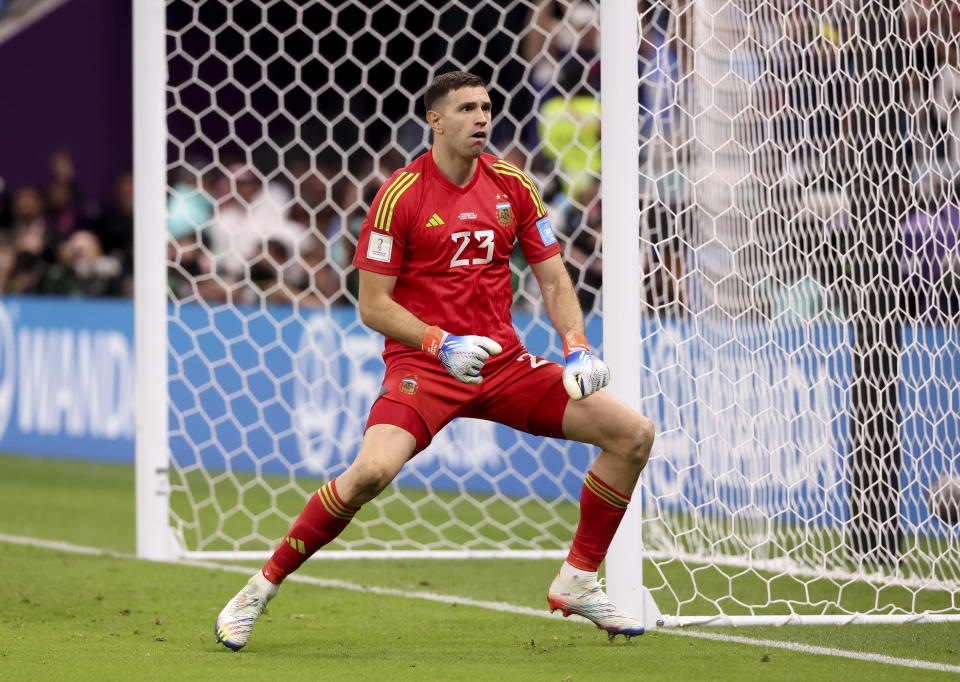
x=239, y=236
x=247, y=231
x=55, y=239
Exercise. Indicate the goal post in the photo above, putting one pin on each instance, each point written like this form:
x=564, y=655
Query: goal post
x=154, y=537
x=729, y=240
x=620, y=193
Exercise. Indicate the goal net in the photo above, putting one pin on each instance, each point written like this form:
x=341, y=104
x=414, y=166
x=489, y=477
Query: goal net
x=796, y=240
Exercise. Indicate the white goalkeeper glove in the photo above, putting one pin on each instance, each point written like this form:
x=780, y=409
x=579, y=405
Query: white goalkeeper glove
x=463, y=356
x=585, y=373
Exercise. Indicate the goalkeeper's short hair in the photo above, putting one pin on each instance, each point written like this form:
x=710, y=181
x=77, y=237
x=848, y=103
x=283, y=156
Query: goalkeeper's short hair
x=446, y=82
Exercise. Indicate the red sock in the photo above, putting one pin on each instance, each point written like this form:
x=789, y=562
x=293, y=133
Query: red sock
x=323, y=519
x=601, y=509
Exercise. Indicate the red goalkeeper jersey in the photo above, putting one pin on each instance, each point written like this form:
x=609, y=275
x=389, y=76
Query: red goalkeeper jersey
x=450, y=246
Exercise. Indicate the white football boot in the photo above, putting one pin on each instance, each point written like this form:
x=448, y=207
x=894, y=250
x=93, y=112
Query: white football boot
x=585, y=597
x=237, y=618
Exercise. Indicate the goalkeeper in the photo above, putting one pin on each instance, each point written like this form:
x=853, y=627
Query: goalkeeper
x=433, y=256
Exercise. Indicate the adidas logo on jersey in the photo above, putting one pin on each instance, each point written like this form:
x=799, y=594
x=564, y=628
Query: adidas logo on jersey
x=435, y=221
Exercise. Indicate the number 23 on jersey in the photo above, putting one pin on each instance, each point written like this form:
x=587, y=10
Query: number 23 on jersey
x=480, y=241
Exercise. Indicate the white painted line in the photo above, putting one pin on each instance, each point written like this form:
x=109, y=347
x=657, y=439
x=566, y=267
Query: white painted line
x=389, y=591
x=820, y=650
x=62, y=546
x=506, y=608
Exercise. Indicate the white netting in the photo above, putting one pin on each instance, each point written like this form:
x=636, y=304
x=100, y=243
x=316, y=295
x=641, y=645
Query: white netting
x=284, y=119
x=803, y=379
x=798, y=237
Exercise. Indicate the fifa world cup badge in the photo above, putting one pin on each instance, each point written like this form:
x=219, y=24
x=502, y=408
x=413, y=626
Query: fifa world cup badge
x=504, y=215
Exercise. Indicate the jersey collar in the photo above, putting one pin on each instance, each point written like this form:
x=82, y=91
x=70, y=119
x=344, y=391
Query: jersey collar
x=439, y=177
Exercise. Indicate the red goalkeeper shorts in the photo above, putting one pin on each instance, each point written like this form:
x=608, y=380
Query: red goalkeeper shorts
x=523, y=392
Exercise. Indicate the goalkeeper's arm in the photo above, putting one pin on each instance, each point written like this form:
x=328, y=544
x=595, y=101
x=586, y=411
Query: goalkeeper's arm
x=462, y=356
x=584, y=373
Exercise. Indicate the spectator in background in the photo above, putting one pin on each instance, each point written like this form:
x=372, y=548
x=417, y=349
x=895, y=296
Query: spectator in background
x=189, y=210
x=68, y=208
x=315, y=209
x=63, y=214
x=30, y=241
x=561, y=32
x=931, y=264
x=663, y=262
x=324, y=286
x=62, y=171
x=275, y=275
x=563, y=47
x=27, y=214
x=114, y=228
x=326, y=255
x=244, y=221
x=82, y=269
x=583, y=260
x=562, y=36
x=569, y=127
x=664, y=227
x=191, y=272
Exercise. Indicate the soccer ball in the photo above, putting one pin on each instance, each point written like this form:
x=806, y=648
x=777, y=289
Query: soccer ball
x=944, y=500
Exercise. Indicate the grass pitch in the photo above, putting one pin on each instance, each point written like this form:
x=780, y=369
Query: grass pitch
x=103, y=616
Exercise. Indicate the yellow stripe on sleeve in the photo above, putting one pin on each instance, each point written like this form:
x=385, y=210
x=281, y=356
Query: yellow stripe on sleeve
x=387, y=195
x=390, y=198
x=509, y=169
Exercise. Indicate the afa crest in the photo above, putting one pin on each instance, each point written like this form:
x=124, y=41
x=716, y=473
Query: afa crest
x=409, y=385
x=504, y=214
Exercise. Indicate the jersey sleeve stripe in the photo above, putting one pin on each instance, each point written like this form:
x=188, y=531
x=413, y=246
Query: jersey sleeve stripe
x=508, y=164
x=390, y=198
x=386, y=196
x=511, y=170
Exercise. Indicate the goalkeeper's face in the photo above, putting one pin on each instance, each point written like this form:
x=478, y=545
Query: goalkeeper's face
x=462, y=123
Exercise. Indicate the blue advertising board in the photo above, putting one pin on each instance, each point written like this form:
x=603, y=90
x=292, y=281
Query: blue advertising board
x=751, y=421
x=67, y=377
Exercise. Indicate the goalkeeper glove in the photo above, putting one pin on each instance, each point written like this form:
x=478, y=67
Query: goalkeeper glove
x=463, y=356
x=585, y=373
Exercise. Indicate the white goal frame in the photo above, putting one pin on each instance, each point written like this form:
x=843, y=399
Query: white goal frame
x=621, y=200
x=154, y=537
x=620, y=206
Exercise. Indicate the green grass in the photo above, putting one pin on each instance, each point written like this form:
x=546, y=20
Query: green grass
x=73, y=616
x=213, y=508
x=237, y=511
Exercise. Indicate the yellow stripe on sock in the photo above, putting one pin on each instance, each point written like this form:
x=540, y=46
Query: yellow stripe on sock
x=610, y=497
x=330, y=503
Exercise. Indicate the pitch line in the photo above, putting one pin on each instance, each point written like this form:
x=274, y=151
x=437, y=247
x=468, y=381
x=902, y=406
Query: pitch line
x=500, y=606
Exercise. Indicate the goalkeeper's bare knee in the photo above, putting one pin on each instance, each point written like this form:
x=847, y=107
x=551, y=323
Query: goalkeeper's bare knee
x=363, y=481
x=633, y=443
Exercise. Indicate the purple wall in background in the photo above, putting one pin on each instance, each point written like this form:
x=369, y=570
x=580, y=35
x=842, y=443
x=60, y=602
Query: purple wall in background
x=66, y=81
